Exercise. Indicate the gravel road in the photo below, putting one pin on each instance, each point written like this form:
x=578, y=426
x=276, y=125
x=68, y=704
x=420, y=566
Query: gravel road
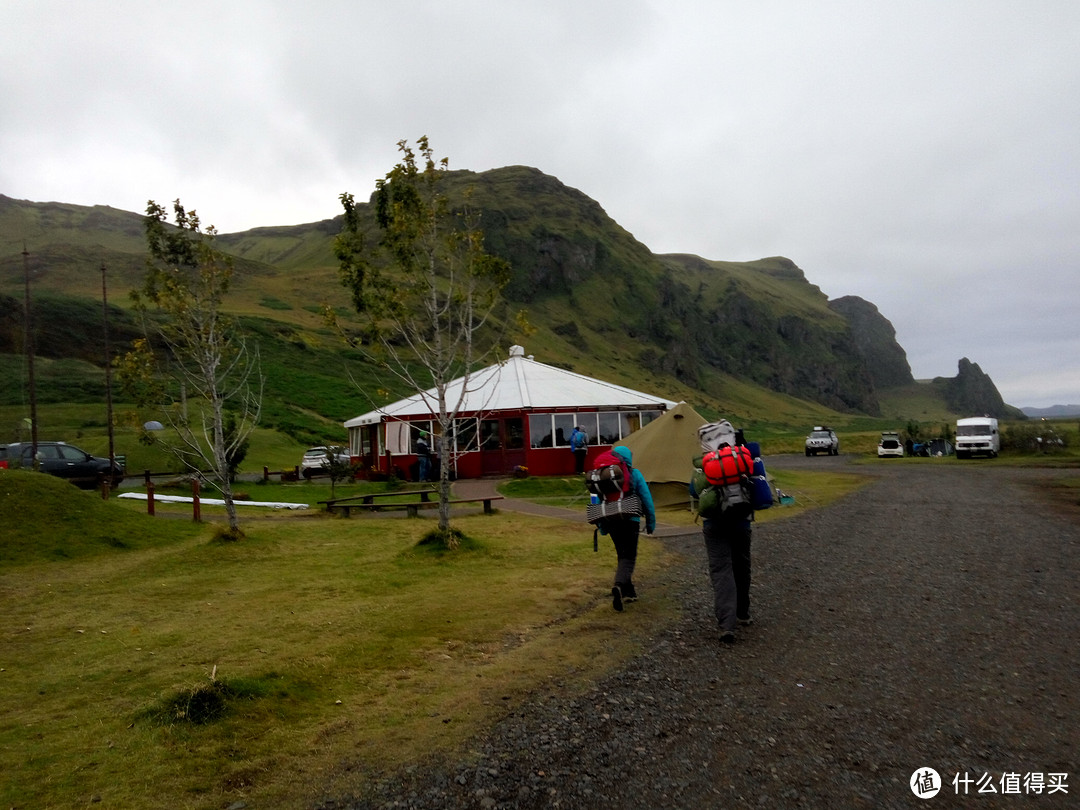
x=929, y=620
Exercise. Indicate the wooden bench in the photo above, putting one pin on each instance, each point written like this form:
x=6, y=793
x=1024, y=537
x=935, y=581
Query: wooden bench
x=347, y=504
x=412, y=508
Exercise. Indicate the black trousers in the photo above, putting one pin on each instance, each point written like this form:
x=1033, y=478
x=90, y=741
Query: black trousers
x=624, y=534
x=727, y=545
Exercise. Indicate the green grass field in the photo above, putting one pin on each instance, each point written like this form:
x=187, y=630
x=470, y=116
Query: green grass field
x=145, y=664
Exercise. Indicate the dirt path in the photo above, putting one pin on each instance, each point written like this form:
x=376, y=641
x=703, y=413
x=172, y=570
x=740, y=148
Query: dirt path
x=930, y=620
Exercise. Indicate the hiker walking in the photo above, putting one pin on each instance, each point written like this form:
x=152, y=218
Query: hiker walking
x=727, y=545
x=624, y=534
x=579, y=446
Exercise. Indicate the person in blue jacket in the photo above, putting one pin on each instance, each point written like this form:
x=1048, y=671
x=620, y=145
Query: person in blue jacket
x=624, y=534
x=579, y=445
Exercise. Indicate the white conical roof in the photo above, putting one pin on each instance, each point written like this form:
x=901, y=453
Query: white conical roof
x=519, y=383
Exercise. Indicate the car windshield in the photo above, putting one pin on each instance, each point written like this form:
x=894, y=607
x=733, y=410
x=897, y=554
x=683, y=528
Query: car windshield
x=820, y=434
x=972, y=430
x=316, y=451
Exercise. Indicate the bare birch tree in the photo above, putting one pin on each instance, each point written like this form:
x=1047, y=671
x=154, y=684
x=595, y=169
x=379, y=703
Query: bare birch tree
x=208, y=376
x=425, y=291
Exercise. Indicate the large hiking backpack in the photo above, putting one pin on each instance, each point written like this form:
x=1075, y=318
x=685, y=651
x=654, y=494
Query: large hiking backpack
x=610, y=483
x=727, y=465
x=579, y=440
x=724, y=476
x=609, y=478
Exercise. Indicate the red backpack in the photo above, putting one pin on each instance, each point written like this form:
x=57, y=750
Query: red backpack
x=727, y=465
x=609, y=478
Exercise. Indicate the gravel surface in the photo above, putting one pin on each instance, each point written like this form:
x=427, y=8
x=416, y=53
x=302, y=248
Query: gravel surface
x=928, y=621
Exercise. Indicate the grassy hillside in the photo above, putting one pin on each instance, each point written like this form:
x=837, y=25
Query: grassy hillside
x=752, y=340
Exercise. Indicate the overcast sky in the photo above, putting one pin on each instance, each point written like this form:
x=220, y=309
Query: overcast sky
x=921, y=155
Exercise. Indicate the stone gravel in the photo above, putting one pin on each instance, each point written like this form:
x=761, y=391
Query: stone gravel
x=929, y=620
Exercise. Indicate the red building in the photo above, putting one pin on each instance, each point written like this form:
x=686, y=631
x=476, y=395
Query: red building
x=518, y=413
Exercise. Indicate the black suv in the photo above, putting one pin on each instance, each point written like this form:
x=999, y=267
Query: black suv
x=63, y=461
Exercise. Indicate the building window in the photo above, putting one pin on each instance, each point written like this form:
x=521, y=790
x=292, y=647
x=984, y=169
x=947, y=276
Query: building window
x=540, y=430
x=608, y=432
x=564, y=426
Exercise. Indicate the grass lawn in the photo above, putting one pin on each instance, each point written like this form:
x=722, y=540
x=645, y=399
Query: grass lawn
x=144, y=664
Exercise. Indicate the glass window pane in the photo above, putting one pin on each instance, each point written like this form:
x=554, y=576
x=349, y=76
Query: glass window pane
x=489, y=435
x=540, y=430
x=466, y=435
x=608, y=431
x=588, y=424
x=515, y=434
x=564, y=426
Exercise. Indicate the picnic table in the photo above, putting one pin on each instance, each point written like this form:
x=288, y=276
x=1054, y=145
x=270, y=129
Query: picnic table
x=374, y=501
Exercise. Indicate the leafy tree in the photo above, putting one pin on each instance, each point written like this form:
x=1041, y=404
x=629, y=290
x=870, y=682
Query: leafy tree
x=206, y=379
x=339, y=469
x=425, y=291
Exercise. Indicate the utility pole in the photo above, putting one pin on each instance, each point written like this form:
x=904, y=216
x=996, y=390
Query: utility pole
x=108, y=366
x=29, y=341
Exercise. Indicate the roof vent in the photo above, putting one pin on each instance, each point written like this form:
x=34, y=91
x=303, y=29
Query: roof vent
x=517, y=351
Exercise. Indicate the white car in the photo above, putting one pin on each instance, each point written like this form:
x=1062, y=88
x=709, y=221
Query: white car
x=316, y=458
x=890, y=445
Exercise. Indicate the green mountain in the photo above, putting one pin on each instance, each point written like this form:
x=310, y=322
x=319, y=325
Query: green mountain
x=754, y=340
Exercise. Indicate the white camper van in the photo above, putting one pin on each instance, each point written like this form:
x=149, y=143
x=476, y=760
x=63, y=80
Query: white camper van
x=977, y=435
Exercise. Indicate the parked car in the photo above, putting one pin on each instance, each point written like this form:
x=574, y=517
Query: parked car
x=822, y=439
x=315, y=459
x=890, y=445
x=64, y=461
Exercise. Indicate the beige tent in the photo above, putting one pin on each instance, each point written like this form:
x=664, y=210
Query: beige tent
x=663, y=450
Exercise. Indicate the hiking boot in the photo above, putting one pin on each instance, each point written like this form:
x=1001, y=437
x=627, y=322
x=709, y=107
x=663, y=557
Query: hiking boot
x=746, y=622
x=616, y=598
x=629, y=593
x=727, y=637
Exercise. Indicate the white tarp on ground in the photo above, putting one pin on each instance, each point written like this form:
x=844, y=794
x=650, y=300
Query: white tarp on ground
x=139, y=496
x=519, y=383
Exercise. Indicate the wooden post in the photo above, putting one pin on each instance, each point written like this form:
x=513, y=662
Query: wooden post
x=266, y=473
x=196, y=510
x=149, y=495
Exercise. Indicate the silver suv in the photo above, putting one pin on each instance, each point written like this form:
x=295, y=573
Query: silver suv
x=822, y=439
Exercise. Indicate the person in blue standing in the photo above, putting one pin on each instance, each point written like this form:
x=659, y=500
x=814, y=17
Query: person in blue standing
x=579, y=446
x=624, y=534
x=423, y=455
